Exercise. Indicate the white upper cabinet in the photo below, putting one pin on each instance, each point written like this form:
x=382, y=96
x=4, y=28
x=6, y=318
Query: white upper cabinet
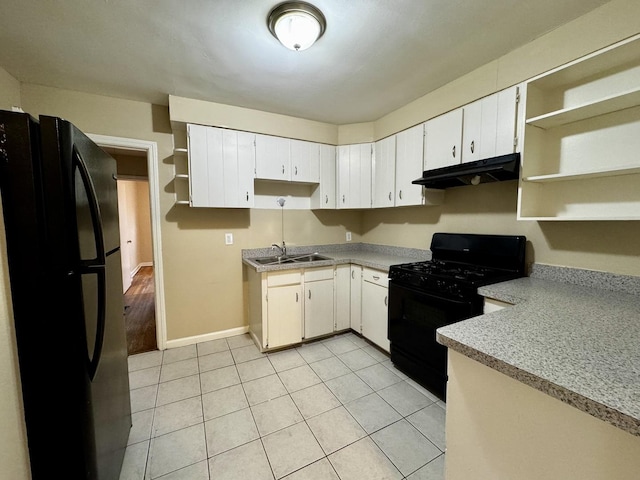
x=398, y=160
x=443, y=140
x=287, y=159
x=305, y=161
x=479, y=129
x=482, y=129
x=384, y=172
x=409, y=166
x=324, y=195
x=354, y=175
x=489, y=126
x=273, y=158
x=221, y=165
x=507, y=122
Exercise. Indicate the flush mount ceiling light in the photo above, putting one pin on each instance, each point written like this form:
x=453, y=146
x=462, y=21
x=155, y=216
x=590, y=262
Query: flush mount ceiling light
x=296, y=24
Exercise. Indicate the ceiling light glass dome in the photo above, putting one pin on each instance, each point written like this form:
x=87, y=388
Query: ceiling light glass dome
x=297, y=25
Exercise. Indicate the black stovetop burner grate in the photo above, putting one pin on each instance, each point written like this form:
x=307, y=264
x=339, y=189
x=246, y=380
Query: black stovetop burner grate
x=451, y=270
x=463, y=262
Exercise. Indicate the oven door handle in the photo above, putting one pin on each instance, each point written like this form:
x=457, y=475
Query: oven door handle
x=427, y=294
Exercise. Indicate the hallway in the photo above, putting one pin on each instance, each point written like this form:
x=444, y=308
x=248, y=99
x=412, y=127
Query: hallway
x=139, y=316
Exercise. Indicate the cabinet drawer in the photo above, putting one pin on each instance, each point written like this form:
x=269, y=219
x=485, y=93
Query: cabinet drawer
x=315, y=274
x=275, y=279
x=375, y=276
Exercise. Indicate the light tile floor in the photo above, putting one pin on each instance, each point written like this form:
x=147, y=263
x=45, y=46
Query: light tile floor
x=332, y=409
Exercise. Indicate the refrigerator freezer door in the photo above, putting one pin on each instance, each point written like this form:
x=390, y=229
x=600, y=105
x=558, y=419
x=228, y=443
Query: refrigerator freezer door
x=101, y=169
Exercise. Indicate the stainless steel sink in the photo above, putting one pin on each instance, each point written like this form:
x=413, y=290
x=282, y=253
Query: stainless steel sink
x=274, y=260
x=278, y=260
x=311, y=257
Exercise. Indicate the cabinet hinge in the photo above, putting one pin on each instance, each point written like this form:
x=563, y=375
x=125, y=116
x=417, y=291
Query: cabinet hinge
x=517, y=95
x=515, y=141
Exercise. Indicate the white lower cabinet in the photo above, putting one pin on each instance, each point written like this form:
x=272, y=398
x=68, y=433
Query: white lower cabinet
x=342, y=314
x=375, y=299
x=287, y=307
x=318, y=302
x=290, y=306
x=284, y=308
x=356, y=298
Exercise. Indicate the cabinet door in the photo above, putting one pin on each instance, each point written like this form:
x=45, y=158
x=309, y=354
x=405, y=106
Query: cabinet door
x=239, y=167
x=284, y=315
x=344, y=195
x=374, y=314
x=324, y=195
x=305, y=161
x=409, y=166
x=342, y=297
x=443, y=139
x=318, y=308
x=384, y=172
x=479, y=129
x=360, y=156
x=221, y=164
x=205, y=188
x=507, y=121
x=273, y=158
x=356, y=298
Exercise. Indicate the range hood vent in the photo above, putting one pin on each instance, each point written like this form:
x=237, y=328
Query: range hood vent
x=496, y=169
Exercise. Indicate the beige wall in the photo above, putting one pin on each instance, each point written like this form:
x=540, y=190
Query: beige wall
x=9, y=90
x=143, y=223
x=14, y=457
x=186, y=110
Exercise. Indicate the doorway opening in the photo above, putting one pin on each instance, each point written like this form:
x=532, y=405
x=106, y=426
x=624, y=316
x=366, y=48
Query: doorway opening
x=136, y=252
x=149, y=283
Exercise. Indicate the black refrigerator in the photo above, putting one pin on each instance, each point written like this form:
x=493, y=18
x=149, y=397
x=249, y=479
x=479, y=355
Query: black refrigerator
x=59, y=202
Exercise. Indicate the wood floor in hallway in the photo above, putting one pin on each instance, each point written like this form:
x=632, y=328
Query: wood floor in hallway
x=139, y=313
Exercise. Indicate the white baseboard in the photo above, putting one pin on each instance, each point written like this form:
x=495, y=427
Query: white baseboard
x=139, y=266
x=182, y=342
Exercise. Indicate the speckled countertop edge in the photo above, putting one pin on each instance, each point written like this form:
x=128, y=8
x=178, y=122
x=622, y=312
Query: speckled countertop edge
x=379, y=257
x=541, y=341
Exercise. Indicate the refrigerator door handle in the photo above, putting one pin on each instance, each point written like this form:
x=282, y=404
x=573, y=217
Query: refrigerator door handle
x=100, y=271
x=95, y=266
x=94, y=207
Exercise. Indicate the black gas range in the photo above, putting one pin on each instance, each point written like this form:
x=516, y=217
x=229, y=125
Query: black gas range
x=424, y=296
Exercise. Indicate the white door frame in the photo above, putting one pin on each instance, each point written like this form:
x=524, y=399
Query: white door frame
x=151, y=148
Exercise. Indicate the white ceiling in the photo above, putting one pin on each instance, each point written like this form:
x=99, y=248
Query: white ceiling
x=375, y=56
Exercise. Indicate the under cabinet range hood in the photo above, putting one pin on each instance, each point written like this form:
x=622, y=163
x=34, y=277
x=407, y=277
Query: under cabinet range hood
x=496, y=169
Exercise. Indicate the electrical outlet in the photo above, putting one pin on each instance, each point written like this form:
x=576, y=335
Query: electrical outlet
x=228, y=238
x=348, y=236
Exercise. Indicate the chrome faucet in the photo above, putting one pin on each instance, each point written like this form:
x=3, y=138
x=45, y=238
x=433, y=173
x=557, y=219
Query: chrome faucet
x=282, y=249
